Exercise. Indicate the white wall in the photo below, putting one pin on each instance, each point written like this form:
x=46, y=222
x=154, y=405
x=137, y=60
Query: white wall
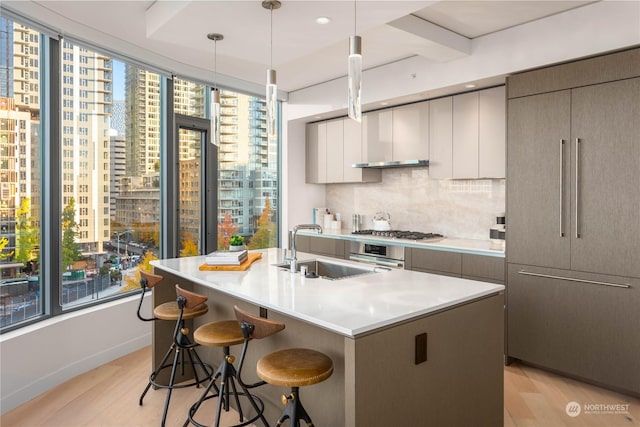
x=38, y=357
x=589, y=30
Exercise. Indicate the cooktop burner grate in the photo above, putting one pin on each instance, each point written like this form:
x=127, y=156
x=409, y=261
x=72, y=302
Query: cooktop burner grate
x=400, y=234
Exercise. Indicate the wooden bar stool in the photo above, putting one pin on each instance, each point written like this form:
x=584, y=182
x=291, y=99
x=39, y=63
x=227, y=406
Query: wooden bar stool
x=188, y=305
x=224, y=334
x=294, y=367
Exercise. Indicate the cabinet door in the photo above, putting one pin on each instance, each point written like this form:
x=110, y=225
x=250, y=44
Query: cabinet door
x=481, y=267
x=606, y=122
x=326, y=246
x=586, y=330
x=335, y=157
x=352, y=150
x=465, y=136
x=537, y=219
x=411, y=132
x=441, y=138
x=316, y=154
x=377, y=137
x=492, y=129
x=431, y=261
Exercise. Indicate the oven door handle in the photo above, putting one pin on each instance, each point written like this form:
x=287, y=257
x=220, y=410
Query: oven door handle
x=374, y=260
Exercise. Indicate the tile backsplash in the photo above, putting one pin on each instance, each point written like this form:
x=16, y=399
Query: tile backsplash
x=455, y=208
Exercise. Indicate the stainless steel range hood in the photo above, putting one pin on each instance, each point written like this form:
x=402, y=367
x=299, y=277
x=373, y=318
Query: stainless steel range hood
x=392, y=164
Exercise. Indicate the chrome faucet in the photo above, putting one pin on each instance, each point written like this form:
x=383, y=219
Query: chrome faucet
x=294, y=256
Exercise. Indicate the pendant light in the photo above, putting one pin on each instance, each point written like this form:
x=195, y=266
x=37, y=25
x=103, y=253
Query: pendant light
x=215, y=93
x=355, y=73
x=272, y=88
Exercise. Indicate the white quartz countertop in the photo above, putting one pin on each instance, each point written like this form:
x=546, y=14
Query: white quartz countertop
x=469, y=246
x=350, y=306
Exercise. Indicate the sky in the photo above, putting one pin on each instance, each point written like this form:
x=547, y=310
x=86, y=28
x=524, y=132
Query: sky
x=118, y=80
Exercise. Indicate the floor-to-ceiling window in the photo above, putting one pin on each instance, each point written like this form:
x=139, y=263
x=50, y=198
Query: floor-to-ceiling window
x=20, y=166
x=83, y=196
x=248, y=173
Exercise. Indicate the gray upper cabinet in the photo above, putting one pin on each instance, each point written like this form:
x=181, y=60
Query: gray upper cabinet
x=316, y=153
x=491, y=133
x=467, y=135
x=441, y=138
x=353, y=153
x=333, y=146
x=399, y=133
x=377, y=136
x=410, y=132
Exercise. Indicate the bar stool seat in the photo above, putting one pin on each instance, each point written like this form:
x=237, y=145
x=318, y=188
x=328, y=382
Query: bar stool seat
x=223, y=333
x=171, y=311
x=294, y=367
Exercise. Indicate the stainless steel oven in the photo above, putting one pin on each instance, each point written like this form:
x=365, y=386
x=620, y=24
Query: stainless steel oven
x=383, y=255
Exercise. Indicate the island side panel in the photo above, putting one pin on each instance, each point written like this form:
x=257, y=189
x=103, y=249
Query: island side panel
x=460, y=384
x=324, y=401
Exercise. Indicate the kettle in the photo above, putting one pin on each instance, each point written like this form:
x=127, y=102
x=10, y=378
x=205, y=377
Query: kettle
x=382, y=221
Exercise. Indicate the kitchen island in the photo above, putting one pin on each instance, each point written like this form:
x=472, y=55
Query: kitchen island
x=408, y=348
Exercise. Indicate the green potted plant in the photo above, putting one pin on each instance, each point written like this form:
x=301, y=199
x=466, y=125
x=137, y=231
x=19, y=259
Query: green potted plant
x=236, y=243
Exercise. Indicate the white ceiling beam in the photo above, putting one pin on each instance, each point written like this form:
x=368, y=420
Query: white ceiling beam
x=446, y=40
x=160, y=13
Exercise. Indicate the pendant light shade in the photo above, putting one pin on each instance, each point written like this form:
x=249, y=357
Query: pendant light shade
x=271, y=87
x=215, y=93
x=215, y=116
x=355, y=78
x=272, y=103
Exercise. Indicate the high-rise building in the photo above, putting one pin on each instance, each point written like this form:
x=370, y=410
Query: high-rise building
x=86, y=110
x=19, y=138
x=117, y=170
x=142, y=93
x=118, y=118
x=247, y=161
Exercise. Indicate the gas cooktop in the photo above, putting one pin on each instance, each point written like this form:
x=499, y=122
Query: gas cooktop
x=400, y=234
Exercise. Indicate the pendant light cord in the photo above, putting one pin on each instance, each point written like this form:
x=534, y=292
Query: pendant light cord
x=215, y=64
x=355, y=32
x=271, y=37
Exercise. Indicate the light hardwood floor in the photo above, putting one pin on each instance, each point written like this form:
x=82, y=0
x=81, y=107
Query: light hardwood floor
x=108, y=397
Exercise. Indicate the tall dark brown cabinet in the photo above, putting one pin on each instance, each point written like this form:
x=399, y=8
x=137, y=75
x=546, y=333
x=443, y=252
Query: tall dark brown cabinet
x=573, y=212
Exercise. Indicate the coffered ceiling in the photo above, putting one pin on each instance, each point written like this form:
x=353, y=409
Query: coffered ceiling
x=172, y=34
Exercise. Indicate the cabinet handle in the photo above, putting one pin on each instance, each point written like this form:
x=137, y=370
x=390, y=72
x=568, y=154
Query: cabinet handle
x=562, y=188
x=573, y=279
x=577, y=187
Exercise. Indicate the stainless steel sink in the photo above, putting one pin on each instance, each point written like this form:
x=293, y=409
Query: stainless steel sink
x=328, y=270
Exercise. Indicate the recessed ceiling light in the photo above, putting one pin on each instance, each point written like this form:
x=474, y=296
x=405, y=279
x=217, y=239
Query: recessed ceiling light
x=384, y=103
x=470, y=86
x=323, y=20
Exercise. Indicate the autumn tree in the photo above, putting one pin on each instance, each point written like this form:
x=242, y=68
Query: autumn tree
x=265, y=235
x=27, y=236
x=3, y=244
x=189, y=246
x=226, y=229
x=133, y=283
x=70, y=248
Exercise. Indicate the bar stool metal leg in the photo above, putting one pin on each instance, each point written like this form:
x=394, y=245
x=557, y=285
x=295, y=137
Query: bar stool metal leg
x=294, y=410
